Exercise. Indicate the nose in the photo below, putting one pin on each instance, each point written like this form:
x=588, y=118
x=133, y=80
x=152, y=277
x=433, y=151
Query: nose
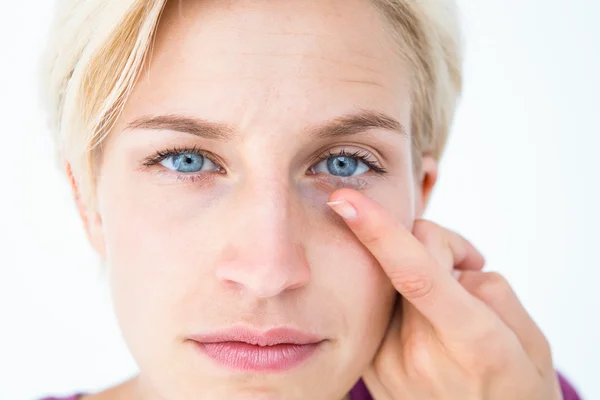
x=264, y=254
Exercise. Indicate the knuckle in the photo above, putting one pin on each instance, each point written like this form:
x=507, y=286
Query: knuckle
x=412, y=283
x=493, y=287
x=492, y=349
x=499, y=358
x=419, y=361
x=497, y=278
x=387, y=365
x=426, y=231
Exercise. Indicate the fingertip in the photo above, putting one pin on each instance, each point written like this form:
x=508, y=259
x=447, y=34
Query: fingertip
x=344, y=209
x=478, y=260
x=481, y=261
x=456, y=273
x=341, y=195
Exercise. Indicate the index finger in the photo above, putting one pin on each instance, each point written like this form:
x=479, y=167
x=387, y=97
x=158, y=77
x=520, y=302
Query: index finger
x=415, y=274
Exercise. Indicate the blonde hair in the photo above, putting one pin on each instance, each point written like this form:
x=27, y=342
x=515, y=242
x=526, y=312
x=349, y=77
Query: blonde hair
x=99, y=48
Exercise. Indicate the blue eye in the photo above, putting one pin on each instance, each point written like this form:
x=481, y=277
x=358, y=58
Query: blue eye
x=342, y=166
x=186, y=162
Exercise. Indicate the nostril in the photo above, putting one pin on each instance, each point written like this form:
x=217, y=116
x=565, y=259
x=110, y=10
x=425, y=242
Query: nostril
x=264, y=279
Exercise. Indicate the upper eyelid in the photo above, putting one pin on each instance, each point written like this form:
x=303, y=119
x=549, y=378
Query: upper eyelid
x=359, y=154
x=161, y=155
x=343, y=151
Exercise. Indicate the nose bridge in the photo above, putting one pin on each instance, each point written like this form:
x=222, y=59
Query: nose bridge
x=269, y=208
x=265, y=254
x=272, y=203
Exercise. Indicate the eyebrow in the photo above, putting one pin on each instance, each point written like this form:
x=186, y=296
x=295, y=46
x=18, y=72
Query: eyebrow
x=180, y=123
x=342, y=126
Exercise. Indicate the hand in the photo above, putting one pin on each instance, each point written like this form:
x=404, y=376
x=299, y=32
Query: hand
x=462, y=339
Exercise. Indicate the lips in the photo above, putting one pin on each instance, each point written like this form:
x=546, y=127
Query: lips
x=246, y=349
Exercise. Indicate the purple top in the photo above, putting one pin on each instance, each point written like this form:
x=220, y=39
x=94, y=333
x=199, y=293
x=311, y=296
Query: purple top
x=360, y=392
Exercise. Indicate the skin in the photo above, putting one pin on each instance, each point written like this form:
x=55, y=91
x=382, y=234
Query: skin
x=257, y=244
x=253, y=241
x=462, y=335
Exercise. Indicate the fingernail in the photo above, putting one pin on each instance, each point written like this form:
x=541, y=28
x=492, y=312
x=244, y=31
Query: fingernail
x=456, y=273
x=344, y=209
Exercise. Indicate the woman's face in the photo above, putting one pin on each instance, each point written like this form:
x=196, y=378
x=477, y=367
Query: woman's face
x=212, y=197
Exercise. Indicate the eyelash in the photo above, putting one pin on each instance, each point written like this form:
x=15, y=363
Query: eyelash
x=363, y=156
x=161, y=155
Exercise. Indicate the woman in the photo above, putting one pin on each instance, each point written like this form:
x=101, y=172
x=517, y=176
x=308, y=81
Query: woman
x=254, y=173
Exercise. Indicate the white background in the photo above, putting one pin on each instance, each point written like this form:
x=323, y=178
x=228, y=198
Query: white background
x=520, y=179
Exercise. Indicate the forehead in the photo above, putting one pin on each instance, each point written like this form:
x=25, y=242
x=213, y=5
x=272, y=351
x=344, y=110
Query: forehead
x=249, y=62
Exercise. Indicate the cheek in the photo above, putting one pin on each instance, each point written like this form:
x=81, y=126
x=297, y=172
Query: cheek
x=154, y=251
x=352, y=278
x=356, y=278
x=359, y=291
x=158, y=239
x=350, y=272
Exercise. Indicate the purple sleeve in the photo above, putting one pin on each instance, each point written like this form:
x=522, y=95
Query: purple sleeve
x=568, y=391
x=360, y=391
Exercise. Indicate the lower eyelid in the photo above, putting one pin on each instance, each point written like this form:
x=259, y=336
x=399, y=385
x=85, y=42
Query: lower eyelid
x=170, y=176
x=330, y=182
x=209, y=175
x=326, y=183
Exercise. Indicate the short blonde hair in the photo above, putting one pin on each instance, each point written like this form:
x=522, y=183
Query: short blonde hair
x=99, y=47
